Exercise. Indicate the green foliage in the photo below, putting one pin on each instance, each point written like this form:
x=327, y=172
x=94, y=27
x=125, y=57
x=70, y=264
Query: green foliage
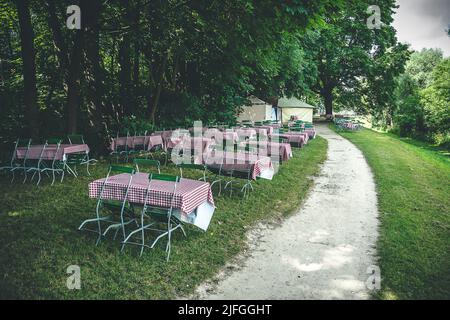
x=133, y=125
x=170, y=62
x=409, y=114
x=422, y=98
x=421, y=64
x=436, y=102
x=357, y=65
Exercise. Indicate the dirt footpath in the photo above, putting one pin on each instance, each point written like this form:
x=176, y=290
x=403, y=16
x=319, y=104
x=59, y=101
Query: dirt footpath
x=321, y=252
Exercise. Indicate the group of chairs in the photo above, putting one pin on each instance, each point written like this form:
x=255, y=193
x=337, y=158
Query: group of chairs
x=223, y=173
x=43, y=163
x=122, y=216
x=250, y=123
x=137, y=147
x=347, y=124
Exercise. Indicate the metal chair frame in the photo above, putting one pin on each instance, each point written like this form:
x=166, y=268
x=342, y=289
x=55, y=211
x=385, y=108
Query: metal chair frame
x=110, y=219
x=22, y=165
x=147, y=212
x=148, y=162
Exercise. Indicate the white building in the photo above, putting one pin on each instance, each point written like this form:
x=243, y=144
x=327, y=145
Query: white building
x=259, y=110
x=295, y=108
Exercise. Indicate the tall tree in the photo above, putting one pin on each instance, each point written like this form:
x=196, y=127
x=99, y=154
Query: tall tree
x=29, y=67
x=349, y=54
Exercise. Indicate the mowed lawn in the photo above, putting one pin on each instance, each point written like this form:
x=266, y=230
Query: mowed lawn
x=39, y=237
x=413, y=183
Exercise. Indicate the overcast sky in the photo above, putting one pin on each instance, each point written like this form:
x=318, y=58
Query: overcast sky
x=422, y=24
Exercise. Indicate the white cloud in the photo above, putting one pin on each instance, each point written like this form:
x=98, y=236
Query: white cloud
x=422, y=23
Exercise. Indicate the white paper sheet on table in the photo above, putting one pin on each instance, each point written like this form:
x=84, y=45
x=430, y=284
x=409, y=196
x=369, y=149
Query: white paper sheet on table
x=200, y=217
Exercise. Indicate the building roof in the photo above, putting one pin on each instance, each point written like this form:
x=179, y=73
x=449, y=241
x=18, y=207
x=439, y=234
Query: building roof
x=293, y=103
x=256, y=101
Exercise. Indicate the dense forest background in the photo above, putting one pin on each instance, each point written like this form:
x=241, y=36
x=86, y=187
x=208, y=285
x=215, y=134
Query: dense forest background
x=139, y=64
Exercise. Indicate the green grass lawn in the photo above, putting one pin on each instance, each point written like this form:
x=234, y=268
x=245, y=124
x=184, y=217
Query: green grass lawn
x=39, y=237
x=413, y=184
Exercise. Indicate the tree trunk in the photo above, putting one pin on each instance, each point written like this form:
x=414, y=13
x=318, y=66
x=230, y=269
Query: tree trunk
x=158, y=88
x=93, y=69
x=136, y=67
x=175, y=72
x=73, y=82
x=125, y=67
x=327, y=94
x=61, y=47
x=125, y=75
x=29, y=67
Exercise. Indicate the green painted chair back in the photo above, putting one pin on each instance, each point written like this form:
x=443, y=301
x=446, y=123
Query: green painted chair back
x=164, y=177
x=75, y=139
x=146, y=162
x=120, y=169
x=54, y=140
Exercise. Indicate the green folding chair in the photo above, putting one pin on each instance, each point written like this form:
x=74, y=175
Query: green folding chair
x=123, y=149
x=75, y=159
x=216, y=170
x=157, y=216
x=139, y=142
x=148, y=163
x=193, y=166
x=20, y=164
x=35, y=165
x=13, y=162
x=120, y=213
x=242, y=174
x=55, y=165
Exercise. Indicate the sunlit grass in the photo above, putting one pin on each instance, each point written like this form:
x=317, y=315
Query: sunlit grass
x=413, y=184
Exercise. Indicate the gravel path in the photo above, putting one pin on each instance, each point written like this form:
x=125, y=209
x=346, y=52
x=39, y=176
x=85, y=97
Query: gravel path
x=321, y=252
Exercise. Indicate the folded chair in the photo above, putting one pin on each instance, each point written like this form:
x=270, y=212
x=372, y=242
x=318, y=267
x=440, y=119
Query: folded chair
x=216, y=170
x=13, y=163
x=148, y=163
x=35, y=165
x=241, y=173
x=139, y=142
x=121, y=213
x=199, y=167
x=157, y=216
x=20, y=164
x=74, y=159
x=121, y=149
x=54, y=165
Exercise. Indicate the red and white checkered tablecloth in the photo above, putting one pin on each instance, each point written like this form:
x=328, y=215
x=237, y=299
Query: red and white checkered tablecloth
x=198, y=143
x=147, y=141
x=311, y=132
x=260, y=166
x=189, y=193
x=299, y=133
x=297, y=139
x=269, y=148
x=269, y=129
x=49, y=153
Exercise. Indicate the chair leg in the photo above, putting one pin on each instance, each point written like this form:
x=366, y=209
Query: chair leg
x=142, y=235
x=39, y=174
x=182, y=230
x=53, y=173
x=99, y=226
